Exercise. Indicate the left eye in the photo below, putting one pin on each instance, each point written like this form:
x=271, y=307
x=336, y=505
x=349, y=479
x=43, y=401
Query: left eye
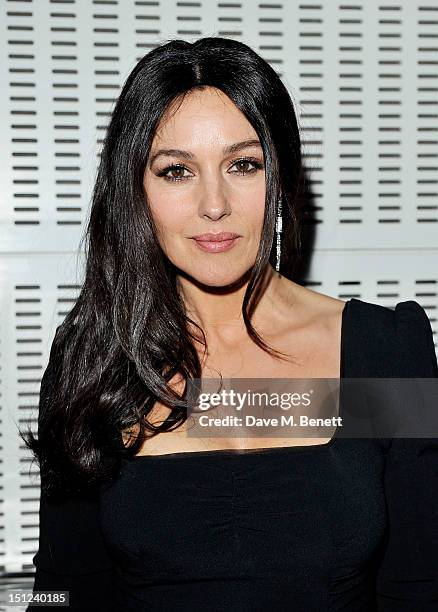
x=179, y=167
x=256, y=165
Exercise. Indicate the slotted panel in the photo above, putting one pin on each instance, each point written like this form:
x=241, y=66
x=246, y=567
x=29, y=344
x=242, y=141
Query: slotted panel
x=364, y=79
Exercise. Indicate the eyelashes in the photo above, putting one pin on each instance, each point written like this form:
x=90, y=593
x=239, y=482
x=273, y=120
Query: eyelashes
x=246, y=160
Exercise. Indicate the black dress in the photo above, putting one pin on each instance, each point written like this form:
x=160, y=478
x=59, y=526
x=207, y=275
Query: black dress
x=351, y=525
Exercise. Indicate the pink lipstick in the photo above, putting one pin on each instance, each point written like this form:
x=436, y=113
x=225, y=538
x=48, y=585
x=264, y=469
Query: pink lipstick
x=216, y=243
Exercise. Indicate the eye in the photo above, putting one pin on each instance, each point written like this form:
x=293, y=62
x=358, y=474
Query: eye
x=174, y=167
x=239, y=162
x=257, y=165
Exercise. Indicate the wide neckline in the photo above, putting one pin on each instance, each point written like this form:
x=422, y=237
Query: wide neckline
x=231, y=452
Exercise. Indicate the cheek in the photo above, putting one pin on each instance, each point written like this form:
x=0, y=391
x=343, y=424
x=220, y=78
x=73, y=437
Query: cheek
x=251, y=214
x=173, y=221
x=170, y=215
x=164, y=208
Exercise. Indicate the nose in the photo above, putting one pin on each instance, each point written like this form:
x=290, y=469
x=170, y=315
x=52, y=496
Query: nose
x=214, y=204
x=214, y=207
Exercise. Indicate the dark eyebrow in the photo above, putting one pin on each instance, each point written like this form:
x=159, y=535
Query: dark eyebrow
x=237, y=146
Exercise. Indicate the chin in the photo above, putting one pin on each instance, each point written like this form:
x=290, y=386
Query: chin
x=217, y=276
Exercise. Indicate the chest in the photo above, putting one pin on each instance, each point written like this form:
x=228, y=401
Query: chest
x=313, y=353
x=266, y=514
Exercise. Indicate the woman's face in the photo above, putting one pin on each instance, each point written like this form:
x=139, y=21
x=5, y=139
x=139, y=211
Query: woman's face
x=196, y=184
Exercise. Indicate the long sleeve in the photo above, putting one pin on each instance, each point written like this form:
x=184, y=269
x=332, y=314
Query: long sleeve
x=72, y=555
x=407, y=579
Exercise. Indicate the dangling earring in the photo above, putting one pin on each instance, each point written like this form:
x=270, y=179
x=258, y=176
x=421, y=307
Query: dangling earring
x=278, y=229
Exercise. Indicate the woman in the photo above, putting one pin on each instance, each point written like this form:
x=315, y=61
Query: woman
x=137, y=515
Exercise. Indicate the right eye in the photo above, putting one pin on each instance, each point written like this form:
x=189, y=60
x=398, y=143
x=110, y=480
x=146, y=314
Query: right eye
x=173, y=167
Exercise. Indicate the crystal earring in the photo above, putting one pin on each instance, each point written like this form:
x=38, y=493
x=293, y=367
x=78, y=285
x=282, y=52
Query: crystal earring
x=278, y=229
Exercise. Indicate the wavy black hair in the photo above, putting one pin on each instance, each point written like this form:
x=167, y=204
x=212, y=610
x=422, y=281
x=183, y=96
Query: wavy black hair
x=128, y=333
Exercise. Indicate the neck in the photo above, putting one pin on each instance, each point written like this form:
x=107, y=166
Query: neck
x=218, y=310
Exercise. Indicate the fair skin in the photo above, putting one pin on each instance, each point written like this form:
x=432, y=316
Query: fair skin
x=213, y=191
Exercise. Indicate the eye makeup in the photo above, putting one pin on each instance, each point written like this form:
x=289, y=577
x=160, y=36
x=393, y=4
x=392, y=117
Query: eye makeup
x=257, y=165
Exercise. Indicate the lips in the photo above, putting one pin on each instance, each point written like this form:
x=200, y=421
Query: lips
x=218, y=237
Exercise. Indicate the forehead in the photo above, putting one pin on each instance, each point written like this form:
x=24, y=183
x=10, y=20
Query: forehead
x=204, y=118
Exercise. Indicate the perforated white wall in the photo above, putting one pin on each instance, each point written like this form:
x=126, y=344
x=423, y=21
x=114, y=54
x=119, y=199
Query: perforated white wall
x=364, y=76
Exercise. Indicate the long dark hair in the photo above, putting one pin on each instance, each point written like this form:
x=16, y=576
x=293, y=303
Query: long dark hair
x=127, y=335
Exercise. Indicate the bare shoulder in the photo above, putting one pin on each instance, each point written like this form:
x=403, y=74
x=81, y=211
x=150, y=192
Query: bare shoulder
x=310, y=328
x=315, y=309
